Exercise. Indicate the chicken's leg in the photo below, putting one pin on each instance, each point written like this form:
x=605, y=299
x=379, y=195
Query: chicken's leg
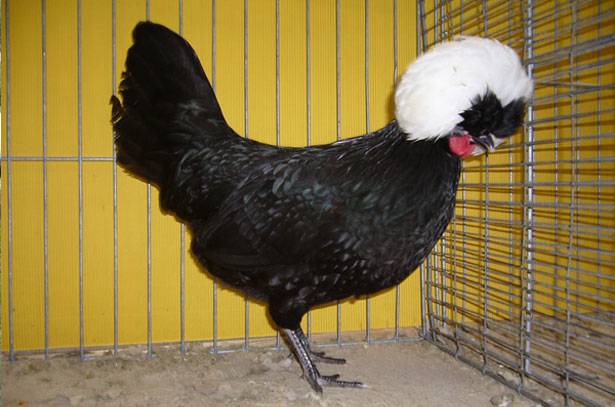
x=302, y=352
x=318, y=356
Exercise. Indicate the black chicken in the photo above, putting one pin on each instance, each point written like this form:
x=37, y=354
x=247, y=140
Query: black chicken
x=298, y=227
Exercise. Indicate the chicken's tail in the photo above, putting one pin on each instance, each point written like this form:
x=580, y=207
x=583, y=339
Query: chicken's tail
x=164, y=85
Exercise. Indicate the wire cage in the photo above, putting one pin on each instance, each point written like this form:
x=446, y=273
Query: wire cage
x=522, y=286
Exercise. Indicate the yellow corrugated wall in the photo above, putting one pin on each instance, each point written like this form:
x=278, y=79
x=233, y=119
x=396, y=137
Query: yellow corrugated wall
x=26, y=117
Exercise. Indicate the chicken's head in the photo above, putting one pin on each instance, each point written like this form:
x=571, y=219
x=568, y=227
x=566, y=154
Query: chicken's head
x=471, y=90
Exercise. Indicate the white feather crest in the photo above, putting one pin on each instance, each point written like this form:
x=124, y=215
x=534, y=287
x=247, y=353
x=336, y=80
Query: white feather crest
x=442, y=83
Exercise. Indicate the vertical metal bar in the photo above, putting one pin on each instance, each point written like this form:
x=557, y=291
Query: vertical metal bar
x=182, y=244
x=574, y=155
x=485, y=17
x=464, y=214
x=366, y=61
x=277, y=72
x=599, y=166
x=182, y=290
x=461, y=15
x=395, y=74
x=529, y=193
x=429, y=293
x=443, y=272
x=441, y=15
x=115, y=215
x=149, y=271
x=80, y=170
x=338, y=108
x=420, y=12
x=424, y=300
x=485, y=269
x=338, y=69
x=455, y=284
x=423, y=38
x=395, y=42
x=45, y=194
x=150, y=352
x=214, y=347
x=277, y=102
x=431, y=272
x=308, y=79
x=443, y=277
x=308, y=103
x=436, y=17
x=510, y=194
x=485, y=233
x=556, y=134
x=246, y=336
x=9, y=195
x=442, y=25
x=368, y=301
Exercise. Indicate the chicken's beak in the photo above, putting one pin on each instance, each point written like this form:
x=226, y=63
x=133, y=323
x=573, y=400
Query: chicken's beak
x=485, y=143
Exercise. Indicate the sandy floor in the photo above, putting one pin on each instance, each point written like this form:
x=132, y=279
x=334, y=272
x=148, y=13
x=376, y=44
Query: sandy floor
x=398, y=375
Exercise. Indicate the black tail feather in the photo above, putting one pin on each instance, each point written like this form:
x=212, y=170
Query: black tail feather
x=162, y=74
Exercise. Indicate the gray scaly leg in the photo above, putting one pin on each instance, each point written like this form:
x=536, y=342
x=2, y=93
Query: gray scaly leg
x=318, y=356
x=311, y=373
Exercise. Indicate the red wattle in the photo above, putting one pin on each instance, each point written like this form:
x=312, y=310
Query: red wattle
x=460, y=145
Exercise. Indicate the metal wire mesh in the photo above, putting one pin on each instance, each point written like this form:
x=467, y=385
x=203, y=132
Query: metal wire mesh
x=522, y=286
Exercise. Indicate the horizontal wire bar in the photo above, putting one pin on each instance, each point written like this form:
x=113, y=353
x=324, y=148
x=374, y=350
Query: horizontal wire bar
x=593, y=160
x=539, y=225
x=597, y=183
x=54, y=158
x=571, y=116
x=475, y=280
x=531, y=374
x=562, y=53
x=580, y=138
x=552, y=35
x=547, y=101
x=577, y=68
x=604, y=208
x=516, y=244
x=547, y=344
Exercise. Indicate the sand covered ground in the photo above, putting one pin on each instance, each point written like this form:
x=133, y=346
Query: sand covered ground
x=415, y=374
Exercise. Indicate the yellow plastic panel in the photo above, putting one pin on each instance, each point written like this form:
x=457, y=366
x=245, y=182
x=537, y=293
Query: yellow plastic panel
x=26, y=78
x=199, y=286
x=410, y=289
x=132, y=212
x=353, y=118
x=96, y=68
x=261, y=108
x=381, y=86
x=98, y=253
x=293, y=93
x=229, y=89
x=63, y=243
x=62, y=77
x=323, y=91
x=27, y=244
x=166, y=249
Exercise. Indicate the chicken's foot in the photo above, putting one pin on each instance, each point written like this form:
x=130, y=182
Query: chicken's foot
x=318, y=356
x=301, y=349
